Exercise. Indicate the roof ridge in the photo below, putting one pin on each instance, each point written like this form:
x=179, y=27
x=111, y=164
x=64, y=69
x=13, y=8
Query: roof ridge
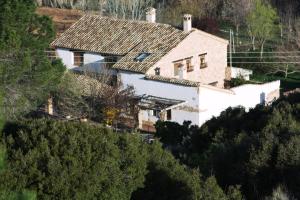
x=173, y=80
x=130, y=20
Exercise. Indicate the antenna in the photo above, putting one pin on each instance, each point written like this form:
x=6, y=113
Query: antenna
x=230, y=48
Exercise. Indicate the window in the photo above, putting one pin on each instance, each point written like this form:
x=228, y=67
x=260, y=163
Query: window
x=141, y=57
x=156, y=113
x=157, y=71
x=169, y=114
x=203, y=63
x=189, y=66
x=78, y=58
x=110, y=61
x=176, y=68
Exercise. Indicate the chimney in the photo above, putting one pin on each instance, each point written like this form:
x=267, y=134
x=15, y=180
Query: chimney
x=187, y=22
x=151, y=15
x=49, y=107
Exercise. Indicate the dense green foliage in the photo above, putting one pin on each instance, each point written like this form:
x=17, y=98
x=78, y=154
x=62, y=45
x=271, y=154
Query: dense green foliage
x=71, y=160
x=26, y=73
x=258, y=150
x=261, y=23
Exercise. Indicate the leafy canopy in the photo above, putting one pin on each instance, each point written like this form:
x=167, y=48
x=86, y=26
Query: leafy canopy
x=261, y=21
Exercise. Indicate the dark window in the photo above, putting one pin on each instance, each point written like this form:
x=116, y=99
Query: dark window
x=141, y=57
x=156, y=113
x=157, y=71
x=189, y=66
x=203, y=63
x=110, y=61
x=78, y=58
x=169, y=114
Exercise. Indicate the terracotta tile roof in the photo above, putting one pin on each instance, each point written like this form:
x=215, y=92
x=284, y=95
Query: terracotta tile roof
x=173, y=80
x=122, y=37
x=88, y=85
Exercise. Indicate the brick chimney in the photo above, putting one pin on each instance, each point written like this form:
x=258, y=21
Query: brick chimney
x=151, y=15
x=187, y=22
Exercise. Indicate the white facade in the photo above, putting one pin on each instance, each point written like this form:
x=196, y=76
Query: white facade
x=203, y=102
x=189, y=95
x=91, y=61
x=200, y=103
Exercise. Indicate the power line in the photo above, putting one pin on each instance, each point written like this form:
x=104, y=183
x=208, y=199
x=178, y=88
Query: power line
x=266, y=62
x=250, y=52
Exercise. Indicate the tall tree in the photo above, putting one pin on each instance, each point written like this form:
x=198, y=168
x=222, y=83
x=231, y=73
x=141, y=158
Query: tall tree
x=26, y=74
x=237, y=11
x=128, y=9
x=261, y=23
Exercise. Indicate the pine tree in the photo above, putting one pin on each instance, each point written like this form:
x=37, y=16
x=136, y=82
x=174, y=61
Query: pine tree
x=27, y=75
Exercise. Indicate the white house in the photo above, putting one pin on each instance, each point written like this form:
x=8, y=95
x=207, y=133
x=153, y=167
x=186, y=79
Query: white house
x=179, y=74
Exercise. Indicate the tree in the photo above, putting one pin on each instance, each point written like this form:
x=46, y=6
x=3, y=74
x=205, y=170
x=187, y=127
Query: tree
x=9, y=195
x=67, y=160
x=170, y=11
x=98, y=97
x=297, y=28
x=257, y=150
x=72, y=160
x=280, y=193
x=27, y=76
x=68, y=97
x=237, y=10
x=288, y=60
x=261, y=23
x=128, y=9
x=167, y=179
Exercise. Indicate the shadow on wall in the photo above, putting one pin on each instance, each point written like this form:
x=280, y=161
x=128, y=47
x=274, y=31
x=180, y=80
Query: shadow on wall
x=263, y=98
x=98, y=67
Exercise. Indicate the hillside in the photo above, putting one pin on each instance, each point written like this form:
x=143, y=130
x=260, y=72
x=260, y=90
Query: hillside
x=62, y=18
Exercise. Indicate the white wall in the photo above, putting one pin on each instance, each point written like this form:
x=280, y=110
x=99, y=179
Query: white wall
x=214, y=101
x=252, y=94
x=207, y=101
x=165, y=90
x=66, y=56
x=92, y=61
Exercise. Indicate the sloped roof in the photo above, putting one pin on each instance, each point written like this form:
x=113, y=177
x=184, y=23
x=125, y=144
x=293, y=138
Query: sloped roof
x=122, y=37
x=173, y=80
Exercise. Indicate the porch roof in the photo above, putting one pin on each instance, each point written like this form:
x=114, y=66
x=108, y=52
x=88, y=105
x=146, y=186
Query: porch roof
x=157, y=103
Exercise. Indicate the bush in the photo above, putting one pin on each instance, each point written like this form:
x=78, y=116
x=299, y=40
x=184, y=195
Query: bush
x=258, y=149
x=72, y=160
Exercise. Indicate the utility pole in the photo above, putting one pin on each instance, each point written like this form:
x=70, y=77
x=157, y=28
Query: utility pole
x=230, y=48
x=233, y=41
